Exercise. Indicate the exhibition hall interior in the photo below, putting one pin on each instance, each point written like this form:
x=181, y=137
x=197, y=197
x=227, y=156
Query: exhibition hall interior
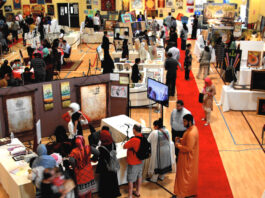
x=132, y=98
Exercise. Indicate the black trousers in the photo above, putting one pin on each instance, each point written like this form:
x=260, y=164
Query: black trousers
x=171, y=83
x=194, y=33
x=187, y=74
x=174, y=135
x=14, y=35
x=183, y=44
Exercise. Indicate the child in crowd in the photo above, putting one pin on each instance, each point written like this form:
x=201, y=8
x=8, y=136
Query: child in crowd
x=188, y=61
x=16, y=64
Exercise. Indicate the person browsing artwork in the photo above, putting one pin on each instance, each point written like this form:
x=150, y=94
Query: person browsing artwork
x=136, y=76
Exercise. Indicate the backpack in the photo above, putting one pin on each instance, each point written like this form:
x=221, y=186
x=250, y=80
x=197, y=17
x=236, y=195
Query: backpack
x=144, y=151
x=113, y=165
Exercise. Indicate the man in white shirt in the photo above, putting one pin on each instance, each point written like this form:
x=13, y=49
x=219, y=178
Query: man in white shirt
x=176, y=122
x=66, y=49
x=96, y=22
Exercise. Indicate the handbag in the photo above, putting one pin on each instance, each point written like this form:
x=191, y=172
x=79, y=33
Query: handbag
x=113, y=165
x=201, y=95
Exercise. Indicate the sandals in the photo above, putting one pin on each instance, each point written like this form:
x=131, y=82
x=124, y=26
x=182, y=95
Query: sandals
x=136, y=195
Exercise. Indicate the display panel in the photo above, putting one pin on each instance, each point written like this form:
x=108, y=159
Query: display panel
x=258, y=80
x=157, y=92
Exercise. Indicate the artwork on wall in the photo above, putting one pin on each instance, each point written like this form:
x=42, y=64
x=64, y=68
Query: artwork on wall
x=126, y=18
x=190, y=9
x=110, y=24
x=118, y=45
x=238, y=29
x=37, y=9
x=254, y=59
x=108, y=5
x=126, y=5
x=151, y=13
x=8, y=8
x=26, y=10
x=50, y=10
x=88, y=7
x=190, y=2
x=94, y=101
x=17, y=4
x=33, y=1
x=47, y=97
x=179, y=4
x=150, y=4
x=160, y=3
x=41, y=2
x=261, y=106
x=137, y=4
x=169, y=3
x=20, y=115
x=119, y=91
x=88, y=2
x=65, y=94
x=9, y=16
x=48, y=1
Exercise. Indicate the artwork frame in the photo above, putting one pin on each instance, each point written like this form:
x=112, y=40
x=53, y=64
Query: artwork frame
x=8, y=8
x=93, y=100
x=126, y=5
x=109, y=25
x=169, y=3
x=41, y=1
x=47, y=91
x=179, y=4
x=26, y=10
x=65, y=94
x=161, y=3
x=137, y=4
x=260, y=107
x=108, y=5
x=33, y=1
x=150, y=4
x=48, y=1
x=50, y=10
x=118, y=44
x=118, y=91
x=254, y=56
x=17, y=4
x=24, y=105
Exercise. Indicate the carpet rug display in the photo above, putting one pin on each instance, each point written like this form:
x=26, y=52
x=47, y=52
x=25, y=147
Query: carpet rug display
x=71, y=66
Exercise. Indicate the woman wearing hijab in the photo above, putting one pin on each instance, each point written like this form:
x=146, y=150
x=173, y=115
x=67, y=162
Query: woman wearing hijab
x=160, y=161
x=204, y=62
x=83, y=168
x=108, y=180
x=209, y=92
x=125, y=49
x=184, y=36
x=43, y=159
x=173, y=36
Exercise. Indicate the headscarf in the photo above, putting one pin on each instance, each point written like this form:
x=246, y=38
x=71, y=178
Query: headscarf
x=208, y=82
x=74, y=106
x=43, y=160
x=58, y=158
x=105, y=138
x=80, y=153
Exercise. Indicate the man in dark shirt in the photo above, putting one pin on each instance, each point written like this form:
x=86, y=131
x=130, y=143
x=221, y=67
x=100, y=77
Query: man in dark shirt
x=5, y=69
x=171, y=67
x=39, y=68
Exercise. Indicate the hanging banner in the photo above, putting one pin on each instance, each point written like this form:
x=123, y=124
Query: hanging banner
x=150, y=4
x=161, y=3
x=137, y=4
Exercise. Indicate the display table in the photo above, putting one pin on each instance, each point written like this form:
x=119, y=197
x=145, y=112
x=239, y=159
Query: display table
x=16, y=186
x=17, y=72
x=73, y=39
x=96, y=37
x=133, y=54
x=244, y=76
x=239, y=100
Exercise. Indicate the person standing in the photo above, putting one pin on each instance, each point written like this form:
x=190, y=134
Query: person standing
x=194, y=27
x=39, y=68
x=14, y=30
x=108, y=180
x=107, y=63
x=135, y=165
x=77, y=120
x=96, y=22
x=140, y=17
x=173, y=36
x=171, y=65
x=5, y=69
x=184, y=36
x=125, y=49
x=136, y=76
x=80, y=156
x=220, y=53
x=176, y=122
x=204, y=62
x=168, y=20
x=186, y=183
x=188, y=62
x=160, y=161
x=209, y=92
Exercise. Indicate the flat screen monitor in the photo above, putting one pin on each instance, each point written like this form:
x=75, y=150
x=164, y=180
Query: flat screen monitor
x=157, y=92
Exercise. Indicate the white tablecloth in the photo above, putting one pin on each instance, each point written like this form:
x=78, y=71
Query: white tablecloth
x=244, y=76
x=16, y=186
x=239, y=100
x=73, y=39
x=132, y=55
x=92, y=38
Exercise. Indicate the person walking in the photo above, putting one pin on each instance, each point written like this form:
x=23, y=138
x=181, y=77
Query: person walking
x=188, y=62
x=209, y=92
x=194, y=27
x=168, y=20
x=176, y=122
x=160, y=161
x=186, y=182
x=204, y=62
x=184, y=36
x=136, y=75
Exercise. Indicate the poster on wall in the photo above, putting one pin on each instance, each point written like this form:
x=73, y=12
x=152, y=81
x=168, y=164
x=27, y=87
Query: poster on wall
x=17, y=4
x=65, y=94
x=238, y=29
x=33, y=1
x=233, y=58
x=20, y=114
x=254, y=59
x=126, y=5
x=26, y=10
x=47, y=97
x=137, y=4
x=41, y=2
x=108, y=5
x=161, y=3
x=169, y=3
x=190, y=2
x=179, y=4
x=50, y=10
x=126, y=18
x=37, y=9
x=94, y=101
x=8, y=8
x=261, y=106
x=119, y=91
x=150, y=4
x=190, y=9
x=48, y=1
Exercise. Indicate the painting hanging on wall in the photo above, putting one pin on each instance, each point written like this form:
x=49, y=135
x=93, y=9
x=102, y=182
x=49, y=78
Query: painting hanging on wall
x=93, y=100
x=254, y=59
x=17, y=4
x=41, y=2
x=169, y=3
x=137, y=4
x=190, y=2
x=126, y=5
x=190, y=9
x=26, y=10
x=48, y=1
x=65, y=94
x=47, y=97
x=8, y=8
x=33, y=1
x=179, y=4
x=37, y=10
x=150, y=4
x=108, y=5
x=20, y=115
x=160, y=3
x=50, y=10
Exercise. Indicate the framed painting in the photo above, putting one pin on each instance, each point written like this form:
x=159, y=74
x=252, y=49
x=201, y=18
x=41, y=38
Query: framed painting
x=48, y=97
x=50, y=10
x=108, y=5
x=19, y=111
x=169, y=3
x=65, y=94
x=150, y=4
x=126, y=5
x=137, y=4
x=26, y=10
x=17, y=4
x=161, y=3
x=119, y=91
x=48, y=1
x=179, y=4
x=254, y=59
x=261, y=106
x=110, y=24
x=33, y=1
x=8, y=8
x=118, y=45
x=41, y=2
x=93, y=100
